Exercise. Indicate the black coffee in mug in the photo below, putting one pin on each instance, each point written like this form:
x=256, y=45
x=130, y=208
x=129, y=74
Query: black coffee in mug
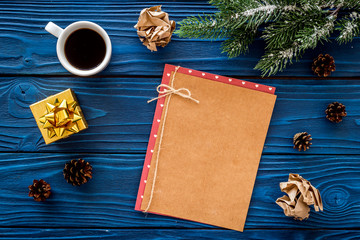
x=85, y=49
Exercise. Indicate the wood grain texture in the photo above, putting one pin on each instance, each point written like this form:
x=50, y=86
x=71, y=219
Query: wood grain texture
x=108, y=199
x=176, y=234
x=26, y=48
x=120, y=122
x=120, y=119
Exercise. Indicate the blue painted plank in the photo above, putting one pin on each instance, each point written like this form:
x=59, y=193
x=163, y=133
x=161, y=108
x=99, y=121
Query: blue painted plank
x=108, y=199
x=25, y=47
x=94, y=234
x=120, y=119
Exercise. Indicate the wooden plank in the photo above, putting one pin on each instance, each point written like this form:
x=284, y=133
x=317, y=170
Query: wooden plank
x=92, y=234
x=26, y=48
x=120, y=119
x=108, y=199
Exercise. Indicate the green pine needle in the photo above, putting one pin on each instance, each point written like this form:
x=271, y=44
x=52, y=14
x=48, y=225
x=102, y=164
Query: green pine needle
x=239, y=42
x=349, y=28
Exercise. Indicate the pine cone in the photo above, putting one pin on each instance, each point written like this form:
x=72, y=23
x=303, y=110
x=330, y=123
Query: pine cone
x=40, y=190
x=335, y=112
x=77, y=172
x=323, y=65
x=302, y=141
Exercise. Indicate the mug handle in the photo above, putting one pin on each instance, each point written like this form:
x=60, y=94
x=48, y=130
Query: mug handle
x=54, y=29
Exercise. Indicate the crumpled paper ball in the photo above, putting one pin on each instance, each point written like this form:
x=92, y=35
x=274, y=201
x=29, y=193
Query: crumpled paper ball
x=154, y=27
x=301, y=194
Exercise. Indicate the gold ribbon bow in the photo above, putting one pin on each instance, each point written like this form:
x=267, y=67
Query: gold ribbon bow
x=182, y=92
x=60, y=117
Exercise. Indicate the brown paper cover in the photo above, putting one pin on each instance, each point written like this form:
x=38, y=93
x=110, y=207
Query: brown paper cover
x=210, y=151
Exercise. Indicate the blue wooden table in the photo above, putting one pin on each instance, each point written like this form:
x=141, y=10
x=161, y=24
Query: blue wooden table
x=114, y=103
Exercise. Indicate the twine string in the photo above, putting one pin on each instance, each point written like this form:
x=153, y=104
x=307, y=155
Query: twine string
x=168, y=90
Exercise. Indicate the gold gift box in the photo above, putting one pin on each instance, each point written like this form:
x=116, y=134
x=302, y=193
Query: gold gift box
x=58, y=116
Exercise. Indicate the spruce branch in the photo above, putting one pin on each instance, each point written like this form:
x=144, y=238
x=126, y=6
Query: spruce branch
x=282, y=33
x=351, y=4
x=203, y=27
x=276, y=60
x=289, y=27
x=253, y=13
x=238, y=43
x=307, y=37
x=349, y=28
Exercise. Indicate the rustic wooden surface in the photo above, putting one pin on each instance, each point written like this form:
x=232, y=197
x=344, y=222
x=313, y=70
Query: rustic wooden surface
x=108, y=199
x=114, y=103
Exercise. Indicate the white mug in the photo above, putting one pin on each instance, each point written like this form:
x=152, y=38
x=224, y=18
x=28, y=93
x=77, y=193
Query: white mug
x=63, y=34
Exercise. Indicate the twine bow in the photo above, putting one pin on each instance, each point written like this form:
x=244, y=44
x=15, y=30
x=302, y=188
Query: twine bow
x=182, y=92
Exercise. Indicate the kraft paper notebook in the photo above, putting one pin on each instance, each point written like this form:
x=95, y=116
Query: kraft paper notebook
x=210, y=131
